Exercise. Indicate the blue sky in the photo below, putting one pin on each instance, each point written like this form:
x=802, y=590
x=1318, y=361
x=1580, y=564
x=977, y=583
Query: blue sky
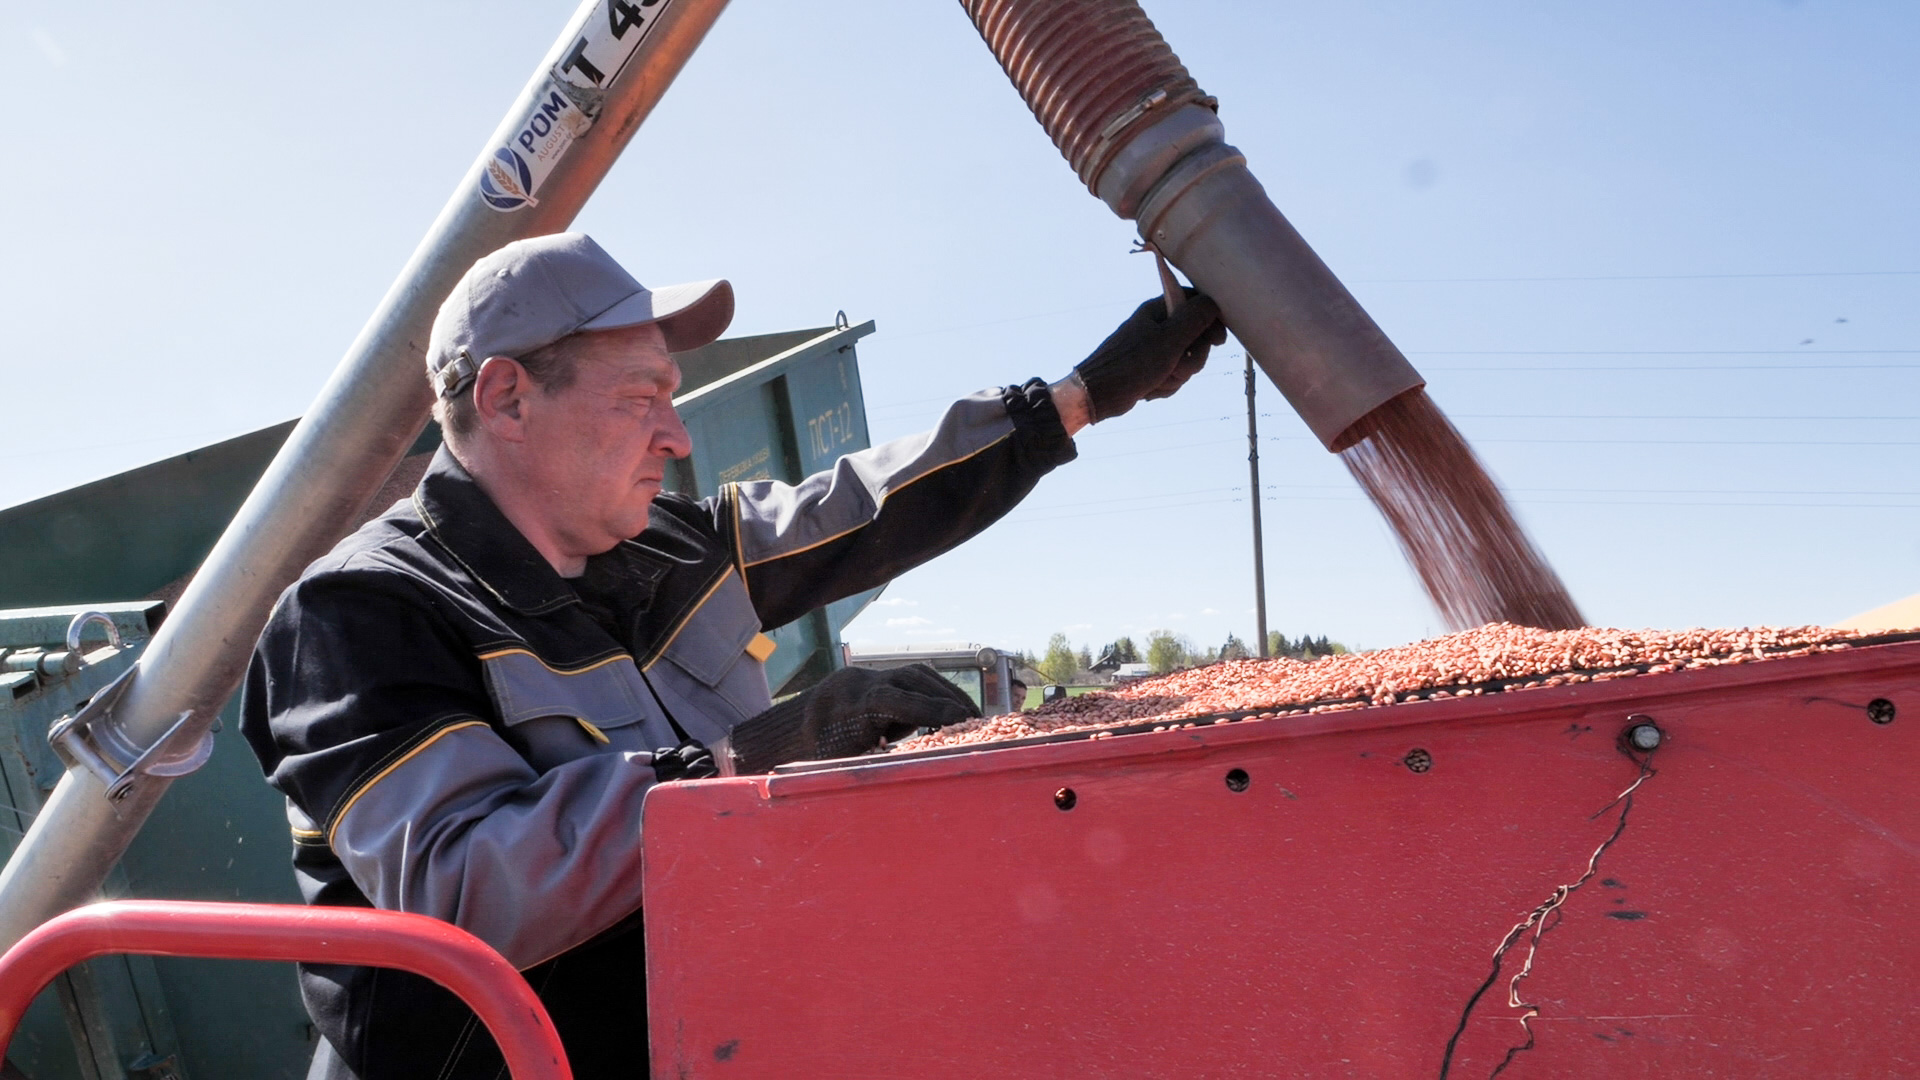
x=1658, y=260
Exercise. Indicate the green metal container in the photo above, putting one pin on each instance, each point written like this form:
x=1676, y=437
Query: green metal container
x=772, y=406
x=782, y=416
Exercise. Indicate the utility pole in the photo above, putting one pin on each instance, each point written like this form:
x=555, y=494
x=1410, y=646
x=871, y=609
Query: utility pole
x=1259, y=557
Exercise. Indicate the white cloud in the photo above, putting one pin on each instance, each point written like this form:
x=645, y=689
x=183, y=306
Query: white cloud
x=1208, y=611
x=48, y=47
x=895, y=601
x=1081, y=626
x=931, y=633
x=910, y=620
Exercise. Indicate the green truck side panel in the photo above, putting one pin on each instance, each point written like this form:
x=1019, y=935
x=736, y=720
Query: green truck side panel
x=781, y=418
x=110, y=1012
x=132, y=534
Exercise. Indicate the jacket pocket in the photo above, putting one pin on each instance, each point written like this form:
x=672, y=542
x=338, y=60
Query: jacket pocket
x=553, y=716
x=711, y=648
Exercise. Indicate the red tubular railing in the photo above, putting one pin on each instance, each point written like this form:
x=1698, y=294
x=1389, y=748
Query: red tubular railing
x=439, y=951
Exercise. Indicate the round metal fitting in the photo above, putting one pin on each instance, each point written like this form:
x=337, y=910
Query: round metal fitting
x=1065, y=798
x=1417, y=760
x=1237, y=780
x=1644, y=736
x=1880, y=711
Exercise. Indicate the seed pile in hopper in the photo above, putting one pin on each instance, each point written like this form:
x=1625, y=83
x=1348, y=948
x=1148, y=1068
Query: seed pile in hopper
x=1489, y=659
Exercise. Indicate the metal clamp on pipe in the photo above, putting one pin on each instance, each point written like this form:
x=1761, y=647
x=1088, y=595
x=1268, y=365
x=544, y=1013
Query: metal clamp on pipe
x=1196, y=201
x=91, y=739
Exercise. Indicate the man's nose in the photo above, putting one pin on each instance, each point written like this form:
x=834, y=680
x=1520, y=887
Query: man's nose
x=671, y=437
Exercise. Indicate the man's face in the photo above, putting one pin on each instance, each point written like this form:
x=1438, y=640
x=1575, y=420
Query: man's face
x=598, y=449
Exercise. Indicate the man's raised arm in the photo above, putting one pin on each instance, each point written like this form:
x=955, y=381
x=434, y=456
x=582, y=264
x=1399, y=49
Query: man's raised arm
x=880, y=512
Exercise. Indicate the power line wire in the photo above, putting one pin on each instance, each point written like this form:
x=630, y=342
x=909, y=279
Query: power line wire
x=1668, y=416
x=1663, y=352
x=1634, y=277
x=1358, y=499
x=1536, y=369
x=1876, y=444
x=1117, y=304
x=1846, y=418
x=1239, y=491
x=873, y=410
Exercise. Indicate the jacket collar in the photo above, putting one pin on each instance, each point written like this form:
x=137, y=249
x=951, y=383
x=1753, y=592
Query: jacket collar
x=465, y=520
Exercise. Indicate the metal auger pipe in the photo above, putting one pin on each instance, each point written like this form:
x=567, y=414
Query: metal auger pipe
x=565, y=130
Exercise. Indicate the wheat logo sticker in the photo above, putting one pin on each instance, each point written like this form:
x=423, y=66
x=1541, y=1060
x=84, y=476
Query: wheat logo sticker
x=507, y=183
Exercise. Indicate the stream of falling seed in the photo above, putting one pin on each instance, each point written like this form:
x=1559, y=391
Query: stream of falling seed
x=1453, y=523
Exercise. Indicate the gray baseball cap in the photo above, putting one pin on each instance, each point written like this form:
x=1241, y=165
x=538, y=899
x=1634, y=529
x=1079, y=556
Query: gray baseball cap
x=536, y=291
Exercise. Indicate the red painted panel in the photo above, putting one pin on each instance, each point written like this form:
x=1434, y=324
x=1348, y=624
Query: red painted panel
x=943, y=917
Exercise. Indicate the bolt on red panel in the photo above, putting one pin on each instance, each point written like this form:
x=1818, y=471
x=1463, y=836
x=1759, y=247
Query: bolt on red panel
x=1324, y=895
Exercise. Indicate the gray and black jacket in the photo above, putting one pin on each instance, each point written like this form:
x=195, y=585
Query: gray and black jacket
x=460, y=732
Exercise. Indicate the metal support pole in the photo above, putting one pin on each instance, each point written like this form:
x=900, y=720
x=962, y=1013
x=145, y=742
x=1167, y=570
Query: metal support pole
x=1259, y=548
x=583, y=104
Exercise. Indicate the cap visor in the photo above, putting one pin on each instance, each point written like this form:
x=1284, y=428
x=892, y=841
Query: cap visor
x=690, y=315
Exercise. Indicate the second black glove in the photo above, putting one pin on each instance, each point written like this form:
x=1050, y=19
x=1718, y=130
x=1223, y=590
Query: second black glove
x=849, y=712
x=688, y=761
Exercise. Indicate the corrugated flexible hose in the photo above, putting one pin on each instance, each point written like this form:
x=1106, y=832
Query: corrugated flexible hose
x=1082, y=66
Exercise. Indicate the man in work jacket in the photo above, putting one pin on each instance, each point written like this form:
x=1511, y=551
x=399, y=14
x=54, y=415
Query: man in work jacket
x=467, y=700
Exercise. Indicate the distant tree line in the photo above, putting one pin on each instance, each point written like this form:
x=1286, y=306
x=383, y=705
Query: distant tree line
x=1061, y=662
x=1303, y=648
x=1165, y=651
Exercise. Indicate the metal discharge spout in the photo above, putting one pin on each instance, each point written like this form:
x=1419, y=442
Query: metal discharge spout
x=1144, y=138
x=585, y=101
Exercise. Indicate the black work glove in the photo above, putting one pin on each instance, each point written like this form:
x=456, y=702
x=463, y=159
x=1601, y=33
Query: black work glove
x=849, y=712
x=688, y=761
x=1151, y=355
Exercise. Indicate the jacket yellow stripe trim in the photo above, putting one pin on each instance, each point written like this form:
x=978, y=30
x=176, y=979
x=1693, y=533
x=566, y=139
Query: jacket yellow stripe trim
x=498, y=653
x=731, y=493
x=384, y=773
x=883, y=502
x=660, y=650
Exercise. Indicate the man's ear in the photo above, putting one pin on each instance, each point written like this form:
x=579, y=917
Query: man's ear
x=500, y=390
